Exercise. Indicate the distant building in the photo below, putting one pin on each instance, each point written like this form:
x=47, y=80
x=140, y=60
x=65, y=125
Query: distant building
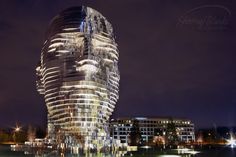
x=151, y=127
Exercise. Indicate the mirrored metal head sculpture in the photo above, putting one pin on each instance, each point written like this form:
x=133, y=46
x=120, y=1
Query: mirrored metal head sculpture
x=78, y=74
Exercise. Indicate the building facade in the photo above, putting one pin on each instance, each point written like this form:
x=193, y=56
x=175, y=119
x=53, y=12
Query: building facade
x=149, y=128
x=78, y=77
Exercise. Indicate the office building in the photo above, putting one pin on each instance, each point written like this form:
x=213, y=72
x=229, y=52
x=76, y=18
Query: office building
x=151, y=127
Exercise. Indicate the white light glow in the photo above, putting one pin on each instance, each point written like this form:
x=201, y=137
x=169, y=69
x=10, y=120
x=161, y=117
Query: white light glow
x=231, y=142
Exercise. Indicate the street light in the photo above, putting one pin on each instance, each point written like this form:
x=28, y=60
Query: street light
x=231, y=142
x=16, y=129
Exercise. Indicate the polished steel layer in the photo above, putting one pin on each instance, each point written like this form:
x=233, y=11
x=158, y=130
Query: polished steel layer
x=78, y=75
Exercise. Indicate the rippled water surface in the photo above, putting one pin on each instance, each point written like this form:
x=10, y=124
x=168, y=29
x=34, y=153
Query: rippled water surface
x=208, y=152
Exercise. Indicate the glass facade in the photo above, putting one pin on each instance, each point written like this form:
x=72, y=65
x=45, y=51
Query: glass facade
x=121, y=128
x=78, y=76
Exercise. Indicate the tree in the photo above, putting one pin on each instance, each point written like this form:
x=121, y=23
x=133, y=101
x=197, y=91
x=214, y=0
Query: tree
x=135, y=137
x=31, y=134
x=171, y=134
x=158, y=138
x=4, y=137
x=40, y=132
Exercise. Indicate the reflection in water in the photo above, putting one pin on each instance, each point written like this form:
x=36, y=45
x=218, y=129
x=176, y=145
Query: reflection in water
x=60, y=154
x=46, y=152
x=143, y=152
x=187, y=151
x=152, y=152
x=169, y=156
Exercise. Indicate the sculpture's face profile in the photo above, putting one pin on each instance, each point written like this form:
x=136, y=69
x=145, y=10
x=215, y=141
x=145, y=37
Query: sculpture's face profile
x=78, y=72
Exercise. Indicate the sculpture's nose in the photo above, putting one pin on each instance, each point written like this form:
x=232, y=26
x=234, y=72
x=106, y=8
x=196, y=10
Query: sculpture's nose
x=87, y=64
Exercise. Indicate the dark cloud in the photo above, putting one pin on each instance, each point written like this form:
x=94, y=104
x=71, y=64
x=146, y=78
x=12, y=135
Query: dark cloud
x=166, y=69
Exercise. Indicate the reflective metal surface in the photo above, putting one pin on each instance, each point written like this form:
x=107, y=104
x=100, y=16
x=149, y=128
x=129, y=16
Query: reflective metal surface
x=79, y=78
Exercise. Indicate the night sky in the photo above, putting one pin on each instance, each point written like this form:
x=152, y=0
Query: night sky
x=177, y=58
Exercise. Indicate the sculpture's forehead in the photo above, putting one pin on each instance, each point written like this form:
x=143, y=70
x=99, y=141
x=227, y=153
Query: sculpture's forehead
x=79, y=31
x=83, y=19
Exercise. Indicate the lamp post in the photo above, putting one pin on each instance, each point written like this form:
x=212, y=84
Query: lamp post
x=16, y=129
